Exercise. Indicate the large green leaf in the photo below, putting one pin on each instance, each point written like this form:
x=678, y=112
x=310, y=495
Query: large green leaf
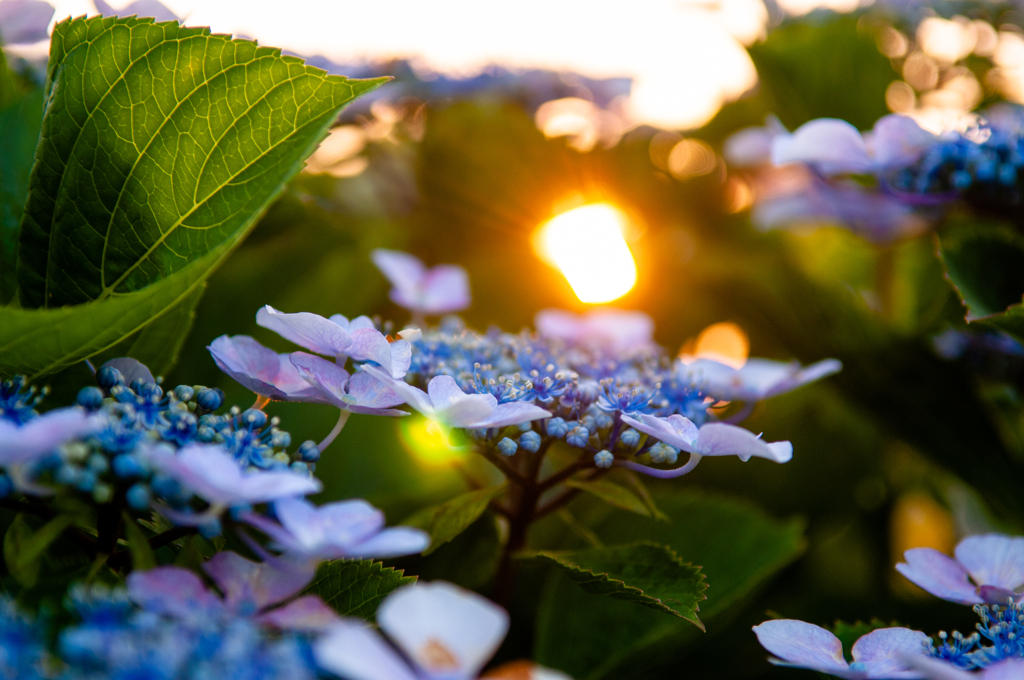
x=446, y=521
x=159, y=145
x=356, y=587
x=644, y=573
x=20, y=122
x=985, y=263
x=613, y=494
x=738, y=547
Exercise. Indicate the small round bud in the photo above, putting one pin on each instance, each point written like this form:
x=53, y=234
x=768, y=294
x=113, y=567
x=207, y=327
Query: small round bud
x=300, y=467
x=630, y=437
x=108, y=377
x=98, y=463
x=210, y=399
x=211, y=528
x=507, y=447
x=137, y=497
x=254, y=419
x=603, y=459
x=102, y=493
x=578, y=437
x=184, y=393
x=556, y=427
x=530, y=441
x=309, y=452
x=280, y=439
x=90, y=398
x=76, y=452
x=126, y=465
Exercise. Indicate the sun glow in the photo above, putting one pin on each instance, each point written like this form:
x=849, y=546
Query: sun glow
x=723, y=342
x=587, y=245
x=427, y=440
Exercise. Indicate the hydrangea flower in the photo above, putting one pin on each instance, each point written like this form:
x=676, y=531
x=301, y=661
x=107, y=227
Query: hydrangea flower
x=262, y=370
x=23, y=22
x=614, y=330
x=348, y=529
x=442, y=631
x=882, y=653
x=757, y=379
x=214, y=475
x=439, y=290
x=987, y=569
x=446, y=403
x=359, y=393
x=710, y=439
x=249, y=588
x=20, y=444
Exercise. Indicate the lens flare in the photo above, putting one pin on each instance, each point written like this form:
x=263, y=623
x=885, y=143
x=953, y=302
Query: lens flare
x=587, y=245
x=427, y=441
x=723, y=342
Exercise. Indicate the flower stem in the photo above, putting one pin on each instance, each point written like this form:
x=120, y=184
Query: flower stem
x=661, y=474
x=342, y=419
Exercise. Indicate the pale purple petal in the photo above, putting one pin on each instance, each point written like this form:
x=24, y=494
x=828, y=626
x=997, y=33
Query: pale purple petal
x=675, y=430
x=831, y=145
x=797, y=643
x=41, y=435
x=369, y=344
x=749, y=147
x=131, y=369
x=444, y=290
x=993, y=560
x=330, y=528
x=401, y=357
x=172, y=591
x=262, y=370
x=23, y=22
x=997, y=595
x=370, y=393
x=898, y=141
x=404, y=271
x=809, y=374
x=391, y=542
x=468, y=411
x=934, y=669
x=512, y=413
x=311, y=331
x=327, y=376
x=884, y=651
x=262, y=584
x=1011, y=669
x=426, y=616
x=611, y=329
x=722, y=439
x=444, y=391
x=353, y=651
x=413, y=396
x=142, y=8
x=939, y=574
x=281, y=537
x=306, y=614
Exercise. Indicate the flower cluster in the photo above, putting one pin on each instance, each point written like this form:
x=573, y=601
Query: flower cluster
x=987, y=572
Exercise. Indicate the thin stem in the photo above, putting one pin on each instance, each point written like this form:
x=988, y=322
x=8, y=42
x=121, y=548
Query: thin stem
x=505, y=468
x=342, y=419
x=260, y=402
x=565, y=473
x=565, y=497
x=661, y=474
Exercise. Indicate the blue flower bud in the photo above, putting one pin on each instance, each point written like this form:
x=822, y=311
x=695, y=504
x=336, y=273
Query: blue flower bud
x=603, y=421
x=280, y=439
x=6, y=486
x=578, y=437
x=507, y=447
x=67, y=475
x=556, y=428
x=603, y=459
x=961, y=179
x=300, y=467
x=108, y=377
x=309, y=452
x=150, y=391
x=658, y=453
x=90, y=398
x=1007, y=174
x=630, y=437
x=210, y=528
x=137, y=497
x=530, y=441
x=184, y=393
x=126, y=465
x=673, y=455
x=588, y=422
x=254, y=419
x=85, y=481
x=98, y=463
x=136, y=385
x=210, y=399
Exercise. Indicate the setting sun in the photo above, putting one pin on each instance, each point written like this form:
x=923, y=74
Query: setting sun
x=587, y=245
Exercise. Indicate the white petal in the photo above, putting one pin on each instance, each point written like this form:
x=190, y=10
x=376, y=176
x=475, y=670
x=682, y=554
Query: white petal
x=355, y=652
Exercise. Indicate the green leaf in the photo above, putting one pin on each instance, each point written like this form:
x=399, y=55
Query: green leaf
x=985, y=263
x=23, y=548
x=644, y=573
x=738, y=547
x=20, y=123
x=469, y=560
x=613, y=494
x=142, y=554
x=356, y=587
x=446, y=521
x=160, y=144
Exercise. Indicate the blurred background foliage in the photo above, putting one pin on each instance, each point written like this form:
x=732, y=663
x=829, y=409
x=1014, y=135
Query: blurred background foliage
x=903, y=448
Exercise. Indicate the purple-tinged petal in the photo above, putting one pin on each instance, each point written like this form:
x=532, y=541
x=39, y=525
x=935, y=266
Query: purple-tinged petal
x=24, y=22
x=401, y=357
x=142, y=8
x=404, y=271
x=1010, y=669
x=260, y=584
x=444, y=290
x=722, y=439
x=326, y=376
x=831, y=145
x=352, y=650
x=330, y=528
x=611, y=329
x=898, y=141
x=369, y=344
x=281, y=537
x=172, y=591
x=306, y=614
x=749, y=147
x=993, y=560
x=392, y=542
x=23, y=443
x=675, y=430
x=883, y=652
x=939, y=574
x=131, y=370
x=311, y=331
x=371, y=393
x=262, y=370
x=443, y=628
x=444, y=392
x=512, y=413
x=468, y=411
x=801, y=644
x=413, y=396
x=997, y=595
x=934, y=669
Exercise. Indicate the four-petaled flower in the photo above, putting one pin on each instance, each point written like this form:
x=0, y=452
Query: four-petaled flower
x=445, y=403
x=710, y=439
x=994, y=563
x=439, y=290
x=758, y=378
x=882, y=653
x=263, y=371
x=359, y=393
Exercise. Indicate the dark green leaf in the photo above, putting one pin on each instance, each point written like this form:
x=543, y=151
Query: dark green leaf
x=644, y=573
x=20, y=122
x=160, y=144
x=24, y=548
x=613, y=494
x=356, y=587
x=446, y=521
x=738, y=547
x=138, y=544
x=469, y=560
x=985, y=263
